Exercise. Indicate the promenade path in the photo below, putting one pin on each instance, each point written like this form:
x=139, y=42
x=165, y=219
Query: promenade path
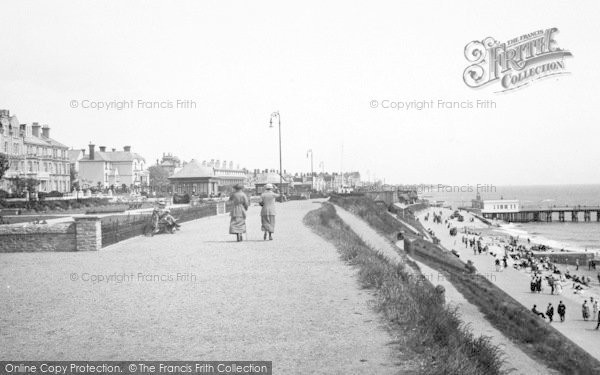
x=291, y=301
x=516, y=284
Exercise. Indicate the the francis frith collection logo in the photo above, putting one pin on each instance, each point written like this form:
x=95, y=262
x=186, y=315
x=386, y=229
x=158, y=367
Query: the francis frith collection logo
x=515, y=63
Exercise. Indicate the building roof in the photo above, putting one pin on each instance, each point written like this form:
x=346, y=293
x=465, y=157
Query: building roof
x=53, y=142
x=114, y=156
x=74, y=155
x=35, y=141
x=193, y=169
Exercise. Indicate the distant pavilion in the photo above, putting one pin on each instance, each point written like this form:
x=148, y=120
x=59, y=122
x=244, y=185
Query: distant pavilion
x=195, y=178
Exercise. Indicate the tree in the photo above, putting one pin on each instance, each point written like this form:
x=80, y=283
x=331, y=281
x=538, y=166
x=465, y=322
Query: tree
x=4, y=165
x=20, y=184
x=159, y=177
x=74, y=180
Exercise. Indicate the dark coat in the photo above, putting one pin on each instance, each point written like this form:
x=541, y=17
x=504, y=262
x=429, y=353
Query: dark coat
x=240, y=204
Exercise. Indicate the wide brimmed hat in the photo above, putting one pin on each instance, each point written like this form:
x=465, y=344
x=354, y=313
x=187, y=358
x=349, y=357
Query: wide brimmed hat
x=269, y=186
x=238, y=186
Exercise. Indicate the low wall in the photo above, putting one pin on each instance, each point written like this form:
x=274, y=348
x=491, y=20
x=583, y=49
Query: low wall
x=37, y=237
x=566, y=257
x=82, y=234
x=91, y=233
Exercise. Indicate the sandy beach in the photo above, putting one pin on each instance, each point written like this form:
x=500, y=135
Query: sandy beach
x=517, y=282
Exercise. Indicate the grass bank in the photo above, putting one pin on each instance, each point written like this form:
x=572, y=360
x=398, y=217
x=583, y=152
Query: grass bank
x=533, y=335
x=438, y=341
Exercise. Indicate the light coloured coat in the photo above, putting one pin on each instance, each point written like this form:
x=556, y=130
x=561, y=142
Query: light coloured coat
x=268, y=203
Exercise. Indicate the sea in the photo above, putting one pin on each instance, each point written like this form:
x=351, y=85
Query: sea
x=577, y=236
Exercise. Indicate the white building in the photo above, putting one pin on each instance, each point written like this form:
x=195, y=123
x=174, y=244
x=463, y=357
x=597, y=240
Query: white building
x=501, y=206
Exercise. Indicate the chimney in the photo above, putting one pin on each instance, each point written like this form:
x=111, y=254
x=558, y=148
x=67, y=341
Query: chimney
x=102, y=148
x=46, y=131
x=92, y=151
x=83, y=151
x=114, y=149
x=35, y=129
x=127, y=148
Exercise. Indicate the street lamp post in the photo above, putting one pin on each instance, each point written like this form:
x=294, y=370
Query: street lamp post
x=273, y=115
x=312, y=172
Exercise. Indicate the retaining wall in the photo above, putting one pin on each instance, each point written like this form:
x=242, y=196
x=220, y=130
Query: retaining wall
x=82, y=234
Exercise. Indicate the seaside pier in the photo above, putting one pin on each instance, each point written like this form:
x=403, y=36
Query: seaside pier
x=551, y=214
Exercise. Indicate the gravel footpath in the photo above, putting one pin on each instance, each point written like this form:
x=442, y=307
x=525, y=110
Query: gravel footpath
x=369, y=235
x=291, y=301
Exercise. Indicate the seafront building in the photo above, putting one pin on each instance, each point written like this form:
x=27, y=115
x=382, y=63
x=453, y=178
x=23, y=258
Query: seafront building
x=169, y=163
x=206, y=179
x=32, y=153
x=500, y=206
x=104, y=168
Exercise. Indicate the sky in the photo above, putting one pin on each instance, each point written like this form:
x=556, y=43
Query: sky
x=320, y=64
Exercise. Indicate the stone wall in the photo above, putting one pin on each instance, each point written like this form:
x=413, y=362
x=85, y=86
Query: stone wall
x=82, y=234
x=88, y=233
x=37, y=237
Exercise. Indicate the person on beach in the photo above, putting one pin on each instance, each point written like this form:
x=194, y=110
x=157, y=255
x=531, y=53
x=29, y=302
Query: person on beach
x=536, y=312
x=267, y=213
x=595, y=304
x=237, y=225
x=576, y=264
x=562, y=309
x=550, y=312
x=585, y=310
x=598, y=325
x=551, y=283
x=497, y=265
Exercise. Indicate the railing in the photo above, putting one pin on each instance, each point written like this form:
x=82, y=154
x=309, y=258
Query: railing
x=122, y=227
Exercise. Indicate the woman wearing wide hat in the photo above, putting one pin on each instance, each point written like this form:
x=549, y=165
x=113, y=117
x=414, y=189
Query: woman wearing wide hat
x=237, y=225
x=267, y=213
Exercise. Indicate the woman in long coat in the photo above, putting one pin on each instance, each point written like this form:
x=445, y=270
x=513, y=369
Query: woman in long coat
x=237, y=224
x=267, y=213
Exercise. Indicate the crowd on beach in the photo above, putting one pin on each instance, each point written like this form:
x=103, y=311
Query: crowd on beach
x=520, y=254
